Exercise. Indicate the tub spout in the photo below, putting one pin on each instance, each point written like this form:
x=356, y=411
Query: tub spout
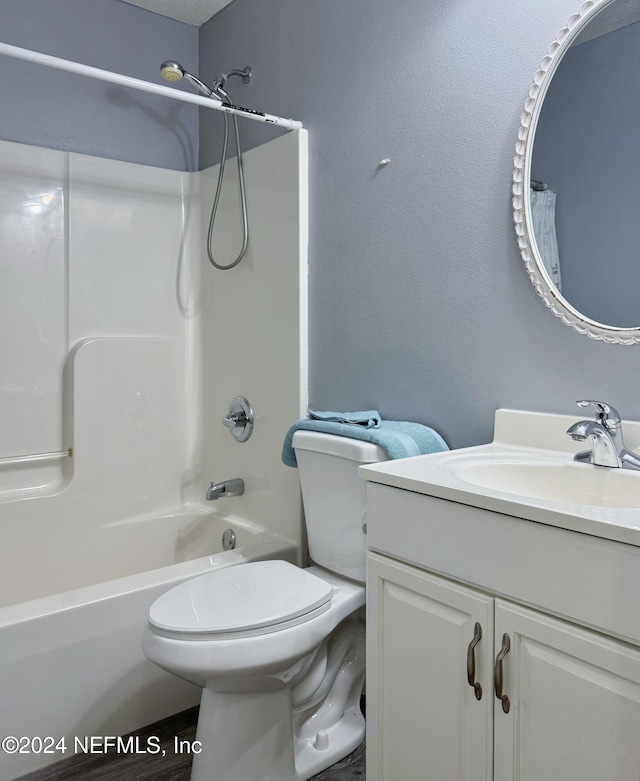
x=233, y=487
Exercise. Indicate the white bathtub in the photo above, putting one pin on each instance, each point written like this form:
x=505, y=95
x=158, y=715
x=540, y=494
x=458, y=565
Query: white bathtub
x=70, y=661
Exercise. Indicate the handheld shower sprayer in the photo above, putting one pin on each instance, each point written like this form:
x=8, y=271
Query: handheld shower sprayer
x=170, y=70
x=173, y=71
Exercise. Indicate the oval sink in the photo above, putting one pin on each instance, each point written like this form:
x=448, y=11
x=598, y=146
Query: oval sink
x=560, y=482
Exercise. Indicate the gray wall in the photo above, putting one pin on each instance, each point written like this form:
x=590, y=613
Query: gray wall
x=587, y=149
x=419, y=302
x=65, y=111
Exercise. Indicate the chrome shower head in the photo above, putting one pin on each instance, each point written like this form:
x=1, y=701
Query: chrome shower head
x=173, y=71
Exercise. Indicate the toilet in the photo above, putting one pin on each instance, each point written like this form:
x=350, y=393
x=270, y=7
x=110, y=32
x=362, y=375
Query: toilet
x=279, y=651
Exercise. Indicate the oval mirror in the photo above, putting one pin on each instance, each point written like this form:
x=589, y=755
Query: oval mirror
x=576, y=181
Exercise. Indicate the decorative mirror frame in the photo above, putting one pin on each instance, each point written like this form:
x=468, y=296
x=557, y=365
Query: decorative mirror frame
x=521, y=182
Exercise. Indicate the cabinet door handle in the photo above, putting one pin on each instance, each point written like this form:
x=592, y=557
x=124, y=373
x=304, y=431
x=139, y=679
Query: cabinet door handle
x=497, y=673
x=471, y=661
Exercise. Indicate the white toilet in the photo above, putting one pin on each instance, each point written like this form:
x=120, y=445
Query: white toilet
x=279, y=651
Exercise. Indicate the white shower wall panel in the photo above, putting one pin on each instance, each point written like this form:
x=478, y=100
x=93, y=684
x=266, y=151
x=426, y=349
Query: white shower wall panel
x=93, y=248
x=254, y=328
x=127, y=248
x=33, y=297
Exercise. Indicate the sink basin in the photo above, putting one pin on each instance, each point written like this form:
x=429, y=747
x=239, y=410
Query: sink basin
x=581, y=484
x=528, y=472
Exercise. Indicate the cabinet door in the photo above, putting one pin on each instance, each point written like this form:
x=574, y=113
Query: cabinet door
x=574, y=702
x=424, y=720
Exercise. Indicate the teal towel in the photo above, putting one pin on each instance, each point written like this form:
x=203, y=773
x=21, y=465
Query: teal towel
x=399, y=439
x=368, y=418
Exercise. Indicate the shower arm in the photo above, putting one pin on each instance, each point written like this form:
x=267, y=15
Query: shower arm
x=145, y=86
x=218, y=84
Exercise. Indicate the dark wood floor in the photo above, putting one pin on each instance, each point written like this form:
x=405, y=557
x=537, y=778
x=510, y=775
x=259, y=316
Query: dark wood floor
x=171, y=766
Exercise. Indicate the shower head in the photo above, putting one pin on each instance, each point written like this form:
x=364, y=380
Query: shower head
x=173, y=71
x=170, y=70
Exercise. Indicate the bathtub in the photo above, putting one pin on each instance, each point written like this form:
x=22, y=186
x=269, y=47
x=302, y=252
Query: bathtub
x=70, y=658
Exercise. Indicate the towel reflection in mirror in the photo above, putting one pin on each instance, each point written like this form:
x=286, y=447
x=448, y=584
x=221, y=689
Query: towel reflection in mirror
x=543, y=218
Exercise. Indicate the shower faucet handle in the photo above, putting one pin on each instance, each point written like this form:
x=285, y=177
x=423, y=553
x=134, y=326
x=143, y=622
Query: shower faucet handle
x=239, y=419
x=233, y=421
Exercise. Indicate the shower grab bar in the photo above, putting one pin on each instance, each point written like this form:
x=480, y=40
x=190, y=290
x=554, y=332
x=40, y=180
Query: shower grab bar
x=11, y=460
x=146, y=86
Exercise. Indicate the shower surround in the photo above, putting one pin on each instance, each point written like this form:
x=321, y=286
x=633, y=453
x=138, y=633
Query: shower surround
x=122, y=349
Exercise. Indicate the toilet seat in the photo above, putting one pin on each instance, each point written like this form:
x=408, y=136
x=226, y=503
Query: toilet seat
x=241, y=601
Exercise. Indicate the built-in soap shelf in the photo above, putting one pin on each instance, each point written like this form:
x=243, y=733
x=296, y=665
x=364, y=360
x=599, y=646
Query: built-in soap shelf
x=34, y=474
x=34, y=457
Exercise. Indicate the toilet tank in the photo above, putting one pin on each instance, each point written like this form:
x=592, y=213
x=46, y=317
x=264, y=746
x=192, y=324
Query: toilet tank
x=334, y=498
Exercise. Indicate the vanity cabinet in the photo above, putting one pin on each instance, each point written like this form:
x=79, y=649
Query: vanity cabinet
x=570, y=706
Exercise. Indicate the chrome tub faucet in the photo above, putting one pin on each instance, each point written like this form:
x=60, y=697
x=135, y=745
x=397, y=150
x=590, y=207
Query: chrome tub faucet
x=233, y=487
x=607, y=444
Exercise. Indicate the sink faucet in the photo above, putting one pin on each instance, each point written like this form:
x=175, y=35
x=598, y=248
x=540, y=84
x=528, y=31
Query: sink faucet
x=233, y=487
x=608, y=447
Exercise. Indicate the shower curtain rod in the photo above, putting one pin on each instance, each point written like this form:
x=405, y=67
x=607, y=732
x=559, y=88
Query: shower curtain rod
x=145, y=86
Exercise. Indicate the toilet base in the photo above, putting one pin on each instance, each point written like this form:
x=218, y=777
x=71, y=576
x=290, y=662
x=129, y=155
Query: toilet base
x=244, y=736
x=339, y=741
x=263, y=737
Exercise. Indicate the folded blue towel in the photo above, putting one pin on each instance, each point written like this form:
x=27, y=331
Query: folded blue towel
x=368, y=418
x=399, y=439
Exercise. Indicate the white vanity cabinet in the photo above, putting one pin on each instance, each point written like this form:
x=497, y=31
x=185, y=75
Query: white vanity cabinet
x=566, y=605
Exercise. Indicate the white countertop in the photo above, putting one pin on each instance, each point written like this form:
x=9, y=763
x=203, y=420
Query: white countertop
x=523, y=438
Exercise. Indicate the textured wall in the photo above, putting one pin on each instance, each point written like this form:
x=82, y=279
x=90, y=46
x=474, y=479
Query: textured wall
x=419, y=302
x=75, y=113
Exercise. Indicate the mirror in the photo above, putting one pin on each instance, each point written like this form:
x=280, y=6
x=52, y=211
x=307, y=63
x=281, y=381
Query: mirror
x=576, y=183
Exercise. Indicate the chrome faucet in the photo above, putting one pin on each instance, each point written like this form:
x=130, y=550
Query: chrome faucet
x=607, y=444
x=233, y=487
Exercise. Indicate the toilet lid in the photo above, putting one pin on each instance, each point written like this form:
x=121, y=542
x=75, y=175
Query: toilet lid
x=240, y=598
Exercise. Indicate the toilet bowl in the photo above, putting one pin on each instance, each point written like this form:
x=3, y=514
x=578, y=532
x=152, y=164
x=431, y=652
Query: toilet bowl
x=279, y=651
